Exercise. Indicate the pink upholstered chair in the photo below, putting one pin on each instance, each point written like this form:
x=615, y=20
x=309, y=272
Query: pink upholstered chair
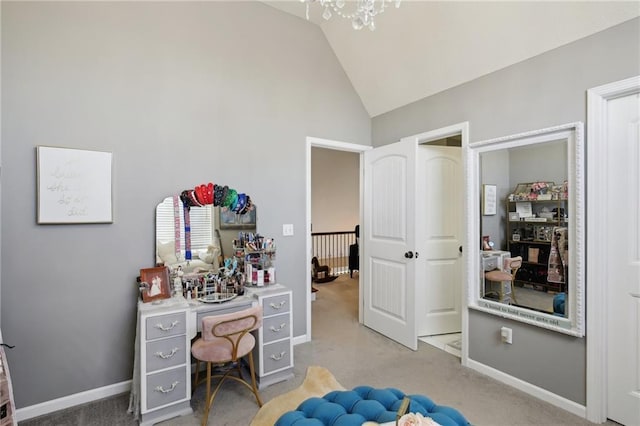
x=497, y=275
x=225, y=340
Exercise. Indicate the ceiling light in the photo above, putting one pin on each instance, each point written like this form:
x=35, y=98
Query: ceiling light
x=363, y=16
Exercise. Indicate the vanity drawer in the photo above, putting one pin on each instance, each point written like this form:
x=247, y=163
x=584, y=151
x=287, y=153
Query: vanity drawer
x=490, y=263
x=276, y=328
x=275, y=305
x=276, y=356
x=166, y=325
x=166, y=353
x=166, y=387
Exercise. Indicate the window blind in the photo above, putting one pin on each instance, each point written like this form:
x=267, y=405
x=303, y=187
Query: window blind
x=201, y=226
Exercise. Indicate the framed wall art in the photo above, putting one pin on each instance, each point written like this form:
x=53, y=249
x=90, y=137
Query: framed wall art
x=73, y=186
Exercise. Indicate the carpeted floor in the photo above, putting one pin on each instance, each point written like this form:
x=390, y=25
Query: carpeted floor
x=356, y=356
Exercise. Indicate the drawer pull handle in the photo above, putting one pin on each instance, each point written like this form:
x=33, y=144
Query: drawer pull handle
x=278, y=357
x=279, y=329
x=163, y=328
x=163, y=390
x=166, y=356
x=279, y=305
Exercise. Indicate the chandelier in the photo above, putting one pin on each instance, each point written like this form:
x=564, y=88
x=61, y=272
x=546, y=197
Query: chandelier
x=363, y=16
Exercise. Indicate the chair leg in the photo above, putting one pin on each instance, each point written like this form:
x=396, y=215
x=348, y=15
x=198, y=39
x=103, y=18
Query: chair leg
x=253, y=380
x=513, y=293
x=207, y=407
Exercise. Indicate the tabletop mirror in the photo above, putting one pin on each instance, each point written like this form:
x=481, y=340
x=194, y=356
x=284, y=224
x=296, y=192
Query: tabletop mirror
x=212, y=231
x=527, y=227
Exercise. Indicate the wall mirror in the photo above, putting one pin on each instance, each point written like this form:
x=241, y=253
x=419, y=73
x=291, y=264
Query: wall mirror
x=537, y=179
x=212, y=231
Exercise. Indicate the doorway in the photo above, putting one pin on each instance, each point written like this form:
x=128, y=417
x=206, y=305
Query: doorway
x=335, y=146
x=402, y=263
x=613, y=269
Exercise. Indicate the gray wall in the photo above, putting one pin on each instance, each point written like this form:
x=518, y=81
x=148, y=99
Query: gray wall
x=335, y=190
x=544, y=91
x=182, y=94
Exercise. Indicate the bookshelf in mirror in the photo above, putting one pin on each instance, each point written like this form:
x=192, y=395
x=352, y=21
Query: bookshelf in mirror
x=537, y=230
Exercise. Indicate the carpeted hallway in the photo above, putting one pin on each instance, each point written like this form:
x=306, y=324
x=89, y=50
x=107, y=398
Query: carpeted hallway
x=355, y=355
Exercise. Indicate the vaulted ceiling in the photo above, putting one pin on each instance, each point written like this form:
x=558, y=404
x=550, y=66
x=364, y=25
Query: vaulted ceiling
x=425, y=47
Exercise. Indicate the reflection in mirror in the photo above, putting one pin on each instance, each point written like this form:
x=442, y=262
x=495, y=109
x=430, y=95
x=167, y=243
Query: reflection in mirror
x=530, y=245
x=211, y=229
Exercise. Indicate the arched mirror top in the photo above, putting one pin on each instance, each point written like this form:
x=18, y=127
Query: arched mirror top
x=195, y=229
x=527, y=194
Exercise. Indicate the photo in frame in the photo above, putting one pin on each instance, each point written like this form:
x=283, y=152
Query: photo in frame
x=489, y=200
x=231, y=220
x=155, y=283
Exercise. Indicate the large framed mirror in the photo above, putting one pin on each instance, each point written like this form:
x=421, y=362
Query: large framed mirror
x=212, y=231
x=526, y=251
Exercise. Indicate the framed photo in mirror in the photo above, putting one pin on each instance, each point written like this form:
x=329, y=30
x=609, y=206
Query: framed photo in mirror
x=231, y=220
x=489, y=199
x=155, y=283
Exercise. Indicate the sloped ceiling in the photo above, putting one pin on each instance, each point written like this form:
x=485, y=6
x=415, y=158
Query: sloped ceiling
x=425, y=47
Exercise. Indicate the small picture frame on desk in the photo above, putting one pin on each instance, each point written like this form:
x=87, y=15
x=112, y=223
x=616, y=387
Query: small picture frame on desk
x=155, y=284
x=514, y=216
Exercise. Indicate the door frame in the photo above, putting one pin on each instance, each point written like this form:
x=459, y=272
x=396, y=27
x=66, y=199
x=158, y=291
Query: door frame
x=596, y=178
x=337, y=146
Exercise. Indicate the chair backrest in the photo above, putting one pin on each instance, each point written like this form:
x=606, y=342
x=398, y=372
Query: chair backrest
x=513, y=263
x=231, y=327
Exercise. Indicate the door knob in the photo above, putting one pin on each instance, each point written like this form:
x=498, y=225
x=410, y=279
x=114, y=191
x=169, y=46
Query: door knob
x=460, y=249
x=408, y=254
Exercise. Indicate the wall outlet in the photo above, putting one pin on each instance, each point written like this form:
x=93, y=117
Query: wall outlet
x=507, y=335
x=287, y=230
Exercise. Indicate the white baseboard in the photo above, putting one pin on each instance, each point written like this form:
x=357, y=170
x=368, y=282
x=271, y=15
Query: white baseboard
x=533, y=390
x=300, y=339
x=72, y=400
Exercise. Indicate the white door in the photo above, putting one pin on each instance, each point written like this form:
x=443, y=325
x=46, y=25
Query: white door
x=439, y=187
x=623, y=307
x=389, y=229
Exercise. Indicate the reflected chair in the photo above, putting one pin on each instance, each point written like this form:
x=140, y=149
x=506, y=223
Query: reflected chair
x=226, y=339
x=508, y=273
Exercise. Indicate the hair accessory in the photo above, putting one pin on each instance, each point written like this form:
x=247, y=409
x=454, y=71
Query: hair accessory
x=232, y=196
x=242, y=202
x=209, y=195
x=189, y=199
x=217, y=195
x=200, y=194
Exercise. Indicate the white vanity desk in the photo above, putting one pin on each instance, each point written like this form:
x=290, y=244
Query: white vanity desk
x=161, y=385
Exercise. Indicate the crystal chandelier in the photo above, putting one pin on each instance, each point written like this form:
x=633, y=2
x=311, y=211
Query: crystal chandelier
x=363, y=16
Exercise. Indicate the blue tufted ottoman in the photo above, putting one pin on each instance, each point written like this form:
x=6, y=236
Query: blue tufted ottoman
x=364, y=403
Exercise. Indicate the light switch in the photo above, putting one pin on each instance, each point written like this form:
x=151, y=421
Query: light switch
x=287, y=229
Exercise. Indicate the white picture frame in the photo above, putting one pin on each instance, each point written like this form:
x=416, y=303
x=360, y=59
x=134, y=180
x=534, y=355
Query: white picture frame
x=73, y=186
x=489, y=200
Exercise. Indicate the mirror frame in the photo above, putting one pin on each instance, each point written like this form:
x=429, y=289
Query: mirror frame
x=574, y=323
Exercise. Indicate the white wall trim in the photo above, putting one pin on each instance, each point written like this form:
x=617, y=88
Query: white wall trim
x=72, y=400
x=526, y=387
x=596, y=178
x=338, y=146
